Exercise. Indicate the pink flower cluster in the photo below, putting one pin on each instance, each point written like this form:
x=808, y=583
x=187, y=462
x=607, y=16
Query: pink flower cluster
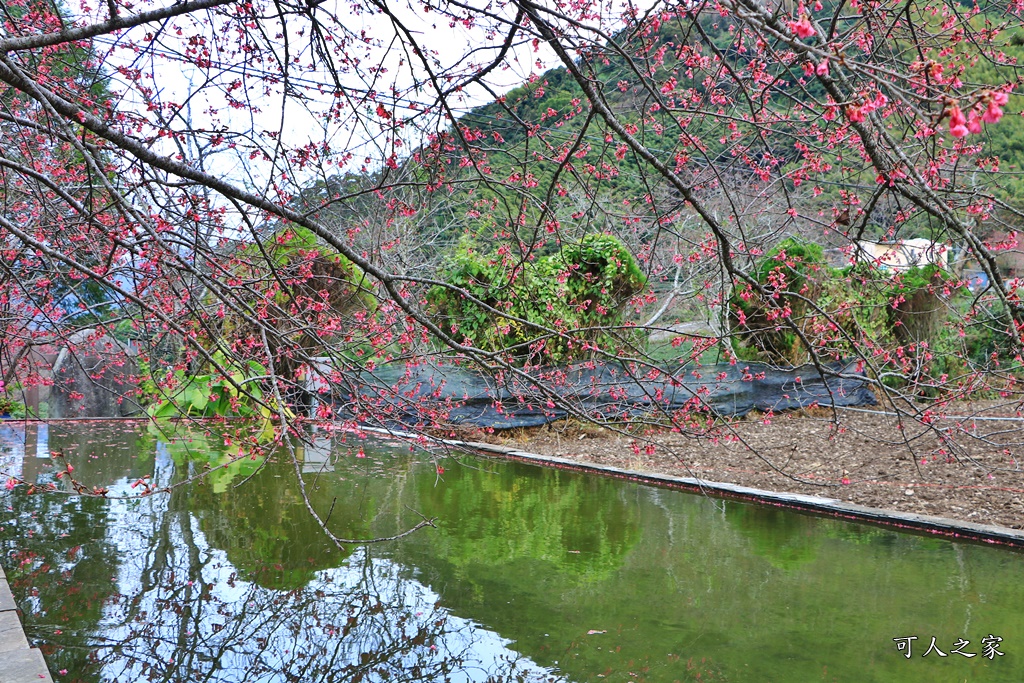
x=802, y=28
x=857, y=114
x=821, y=69
x=992, y=103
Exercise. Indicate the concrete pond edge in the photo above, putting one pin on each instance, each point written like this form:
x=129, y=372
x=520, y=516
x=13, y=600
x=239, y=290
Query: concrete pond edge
x=833, y=507
x=19, y=663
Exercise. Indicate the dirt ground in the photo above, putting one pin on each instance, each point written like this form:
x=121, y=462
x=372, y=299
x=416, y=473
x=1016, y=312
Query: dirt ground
x=963, y=465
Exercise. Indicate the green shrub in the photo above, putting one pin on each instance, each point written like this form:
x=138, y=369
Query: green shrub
x=213, y=395
x=293, y=278
x=790, y=275
x=898, y=320
x=580, y=292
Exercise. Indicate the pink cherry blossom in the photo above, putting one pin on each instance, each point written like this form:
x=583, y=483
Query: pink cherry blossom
x=974, y=123
x=957, y=122
x=993, y=113
x=802, y=28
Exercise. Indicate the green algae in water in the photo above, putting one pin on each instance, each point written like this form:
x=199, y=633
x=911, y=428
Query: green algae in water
x=531, y=574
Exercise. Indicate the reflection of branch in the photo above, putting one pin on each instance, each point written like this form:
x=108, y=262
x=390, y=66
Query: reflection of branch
x=280, y=405
x=426, y=522
x=363, y=619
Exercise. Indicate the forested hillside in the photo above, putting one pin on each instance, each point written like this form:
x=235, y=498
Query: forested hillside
x=539, y=165
x=759, y=141
x=543, y=132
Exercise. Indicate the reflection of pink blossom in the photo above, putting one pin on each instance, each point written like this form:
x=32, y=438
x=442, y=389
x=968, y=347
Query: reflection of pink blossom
x=802, y=28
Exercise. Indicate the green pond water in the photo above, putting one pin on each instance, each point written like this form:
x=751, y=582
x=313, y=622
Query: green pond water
x=532, y=574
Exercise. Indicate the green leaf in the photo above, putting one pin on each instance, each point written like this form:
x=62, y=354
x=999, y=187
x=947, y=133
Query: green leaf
x=166, y=408
x=198, y=398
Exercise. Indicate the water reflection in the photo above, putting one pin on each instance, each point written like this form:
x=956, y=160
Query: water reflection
x=786, y=540
x=531, y=574
x=198, y=585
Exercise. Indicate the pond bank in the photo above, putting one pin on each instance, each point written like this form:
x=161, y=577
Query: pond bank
x=964, y=469
x=18, y=662
x=829, y=506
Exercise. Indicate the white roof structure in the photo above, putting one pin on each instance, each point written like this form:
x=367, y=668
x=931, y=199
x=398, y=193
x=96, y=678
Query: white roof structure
x=903, y=254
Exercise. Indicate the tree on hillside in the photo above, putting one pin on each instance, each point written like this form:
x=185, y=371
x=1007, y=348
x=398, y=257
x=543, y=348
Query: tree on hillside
x=700, y=135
